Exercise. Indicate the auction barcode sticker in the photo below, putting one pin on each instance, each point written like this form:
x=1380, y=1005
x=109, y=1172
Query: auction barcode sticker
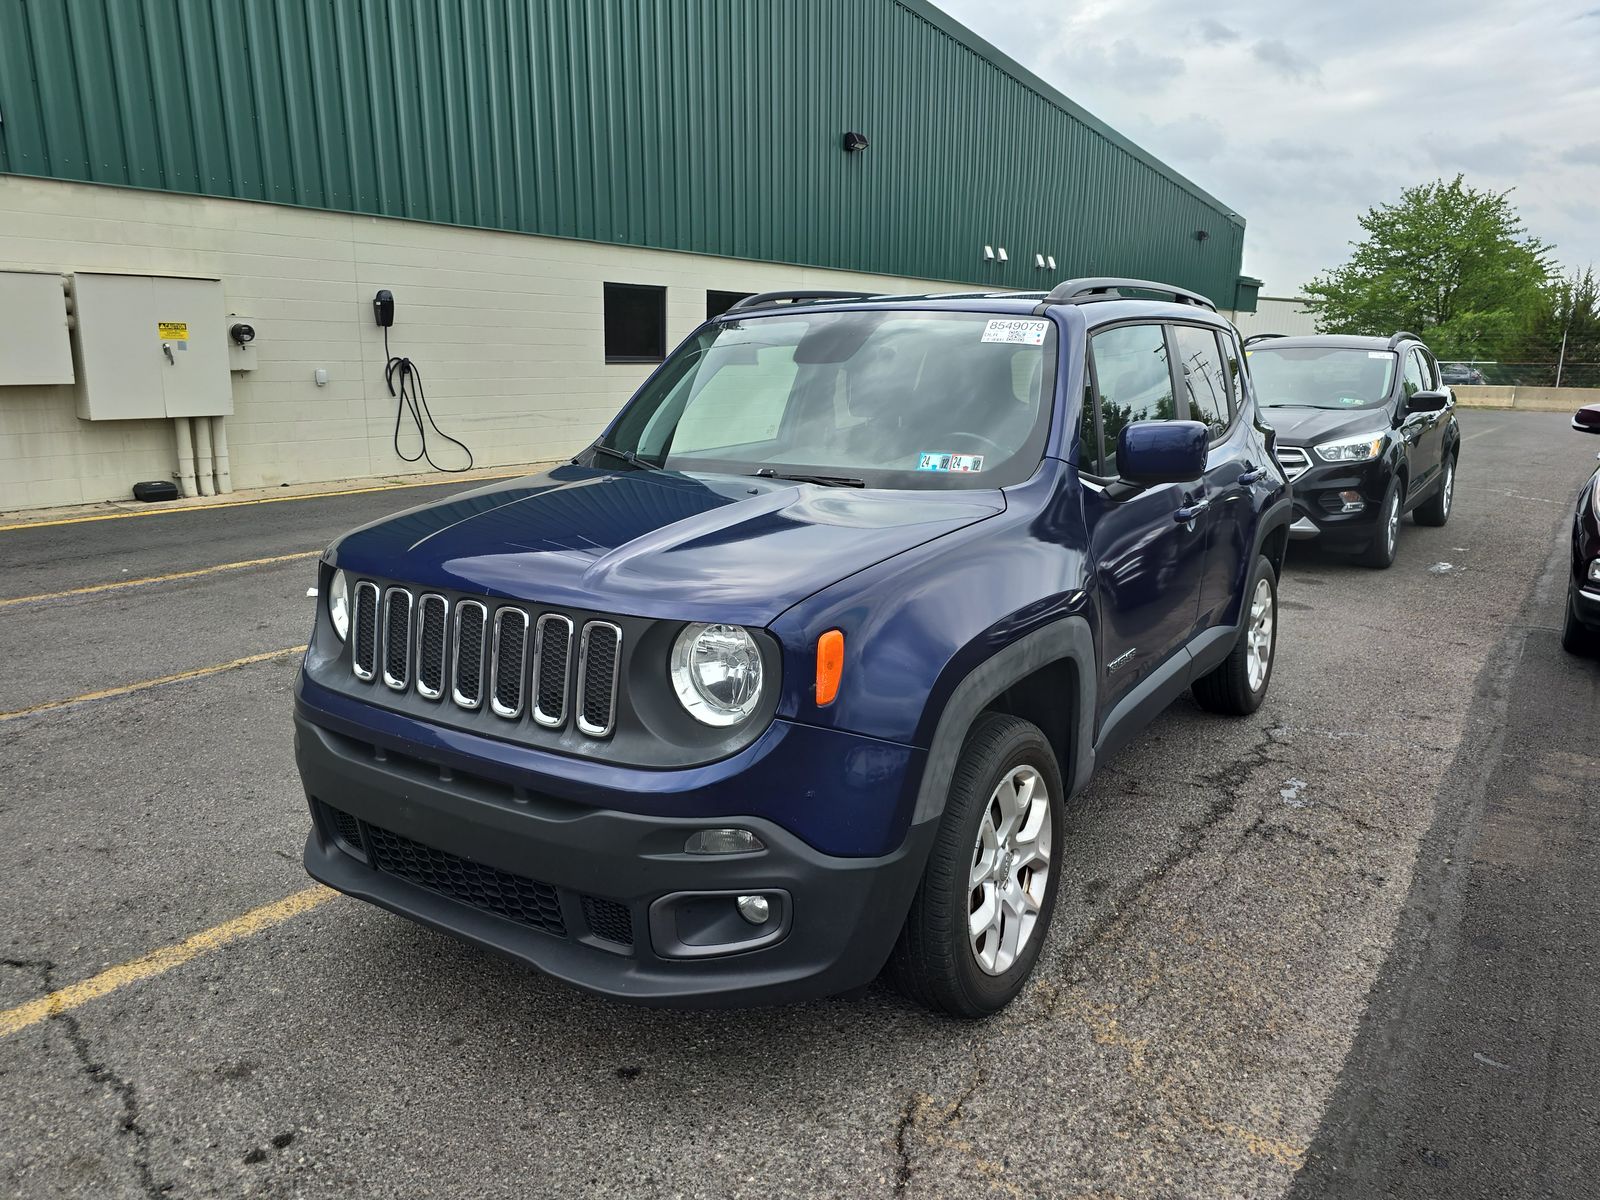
x=1016, y=330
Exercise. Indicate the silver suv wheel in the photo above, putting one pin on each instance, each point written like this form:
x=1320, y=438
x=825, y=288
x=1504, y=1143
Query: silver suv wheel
x=1010, y=868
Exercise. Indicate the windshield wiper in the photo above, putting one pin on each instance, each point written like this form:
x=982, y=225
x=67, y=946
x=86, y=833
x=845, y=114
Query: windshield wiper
x=823, y=480
x=627, y=456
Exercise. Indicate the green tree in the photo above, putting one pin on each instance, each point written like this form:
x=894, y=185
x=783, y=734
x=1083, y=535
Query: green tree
x=1448, y=262
x=1569, y=310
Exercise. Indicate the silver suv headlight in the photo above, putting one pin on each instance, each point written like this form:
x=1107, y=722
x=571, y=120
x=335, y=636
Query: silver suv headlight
x=717, y=673
x=1360, y=449
x=339, y=604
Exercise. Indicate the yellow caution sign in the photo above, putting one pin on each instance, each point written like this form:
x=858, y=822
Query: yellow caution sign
x=173, y=331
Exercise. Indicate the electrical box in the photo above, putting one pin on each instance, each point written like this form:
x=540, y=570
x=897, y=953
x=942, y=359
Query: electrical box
x=151, y=346
x=34, y=343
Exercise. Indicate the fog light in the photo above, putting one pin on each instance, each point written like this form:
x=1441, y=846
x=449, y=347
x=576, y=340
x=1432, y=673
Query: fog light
x=1594, y=571
x=1352, y=502
x=722, y=841
x=754, y=909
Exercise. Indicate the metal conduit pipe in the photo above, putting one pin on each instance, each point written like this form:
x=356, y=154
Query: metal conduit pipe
x=185, y=474
x=219, y=454
x=203, y=467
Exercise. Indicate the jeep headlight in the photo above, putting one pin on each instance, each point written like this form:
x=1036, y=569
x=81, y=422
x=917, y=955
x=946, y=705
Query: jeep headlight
x=716, y=671
x=1361, y=449
x=339, y=604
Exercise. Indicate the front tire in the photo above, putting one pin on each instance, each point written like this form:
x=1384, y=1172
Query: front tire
x=1437, y=510
x=1239, y=685
x=1387, y=540
x=983, y=908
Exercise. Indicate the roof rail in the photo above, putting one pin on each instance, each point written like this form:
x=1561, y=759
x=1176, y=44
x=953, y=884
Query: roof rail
x=1403, y=336
x=1087, y=291
x=762, y=299
x=1261, y=337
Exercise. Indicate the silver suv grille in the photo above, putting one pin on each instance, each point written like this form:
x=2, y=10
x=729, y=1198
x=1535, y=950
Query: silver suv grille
x=1294, y=461
x=516, y=663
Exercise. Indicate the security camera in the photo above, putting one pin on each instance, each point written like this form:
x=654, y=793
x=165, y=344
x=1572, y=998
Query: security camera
x=242, y=333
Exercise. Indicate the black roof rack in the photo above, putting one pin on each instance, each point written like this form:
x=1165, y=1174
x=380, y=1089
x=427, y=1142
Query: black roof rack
x=1088, y=291
x=763, y=299
x=1261, y=337
x=1402, y=336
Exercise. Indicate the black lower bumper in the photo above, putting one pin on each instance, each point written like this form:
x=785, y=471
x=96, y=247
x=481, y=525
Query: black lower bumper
x=605, y=900
x=1585, y=599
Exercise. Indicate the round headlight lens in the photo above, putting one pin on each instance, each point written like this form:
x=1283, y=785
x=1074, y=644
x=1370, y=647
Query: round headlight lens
x=339, y=604
x=716, y=671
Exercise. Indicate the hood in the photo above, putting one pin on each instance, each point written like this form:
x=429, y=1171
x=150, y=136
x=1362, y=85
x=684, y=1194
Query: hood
x=1311, y=426
x=655, y=543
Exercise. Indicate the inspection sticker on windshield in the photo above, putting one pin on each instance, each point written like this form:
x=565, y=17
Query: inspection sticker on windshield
x=949, y=462
x=1017, y=331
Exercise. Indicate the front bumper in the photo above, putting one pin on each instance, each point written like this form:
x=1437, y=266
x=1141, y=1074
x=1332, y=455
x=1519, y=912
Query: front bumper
x=1586, y=603
x=586, y=894
x=1318, y=504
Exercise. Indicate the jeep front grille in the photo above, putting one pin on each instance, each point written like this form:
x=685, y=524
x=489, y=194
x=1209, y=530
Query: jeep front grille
x=514, y=662
x=1294, y=461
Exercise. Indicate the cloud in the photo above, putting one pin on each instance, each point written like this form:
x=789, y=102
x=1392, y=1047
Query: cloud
x=1125, y=63
x=1284, y=59
x=1214, y=33
x=1504, y=155
x=1299, y=150
x=1585, y=155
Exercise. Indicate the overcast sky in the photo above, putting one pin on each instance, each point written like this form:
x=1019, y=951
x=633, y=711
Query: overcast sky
x=1301, y=118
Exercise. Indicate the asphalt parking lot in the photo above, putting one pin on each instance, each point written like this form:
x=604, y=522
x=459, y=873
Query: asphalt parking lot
x=1344, y=947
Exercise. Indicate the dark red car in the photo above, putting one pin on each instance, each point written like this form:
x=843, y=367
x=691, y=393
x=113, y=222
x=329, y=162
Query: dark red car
x=1581, y=635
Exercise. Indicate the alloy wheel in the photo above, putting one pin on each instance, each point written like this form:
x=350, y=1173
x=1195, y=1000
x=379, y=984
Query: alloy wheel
x=1010, y=867
x=1258, y=657
x=1392, y=532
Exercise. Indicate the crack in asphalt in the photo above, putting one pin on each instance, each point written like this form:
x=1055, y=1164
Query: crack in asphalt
x=124, y=1089
x=902, y=1170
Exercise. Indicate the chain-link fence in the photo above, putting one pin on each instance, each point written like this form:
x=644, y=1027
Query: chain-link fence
x=1533, y=374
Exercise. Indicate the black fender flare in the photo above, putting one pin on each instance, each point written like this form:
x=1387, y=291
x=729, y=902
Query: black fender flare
x=1068, y=638
x=1279, y=515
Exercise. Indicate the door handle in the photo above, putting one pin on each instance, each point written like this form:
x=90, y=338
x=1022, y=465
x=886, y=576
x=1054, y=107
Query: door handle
x=1189, y=512
x=1251, y=475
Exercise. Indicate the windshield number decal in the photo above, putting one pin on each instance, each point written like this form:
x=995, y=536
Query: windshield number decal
x=1016, y=331
x=949, y=462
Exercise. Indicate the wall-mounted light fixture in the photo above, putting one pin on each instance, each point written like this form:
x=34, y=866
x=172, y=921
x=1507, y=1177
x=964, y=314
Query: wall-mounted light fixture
x=1038, y=262
x=1201, y=235
x=855, y=142
x=988, y=254
x=1050, y=261
x=1002, y=255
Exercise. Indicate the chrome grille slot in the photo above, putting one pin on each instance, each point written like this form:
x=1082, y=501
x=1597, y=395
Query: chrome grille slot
x=510, y=669
x=1294, y=461
x=552, y=650
x=599, y=654
x=397, y=638
x=467, y=654
x=364, y=632
x=432, y=622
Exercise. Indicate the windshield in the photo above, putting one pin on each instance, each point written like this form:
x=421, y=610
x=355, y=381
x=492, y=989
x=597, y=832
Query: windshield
x=1321, y=376
x=877, y=398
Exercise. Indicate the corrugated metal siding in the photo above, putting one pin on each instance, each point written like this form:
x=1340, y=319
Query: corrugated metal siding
x=711, y=126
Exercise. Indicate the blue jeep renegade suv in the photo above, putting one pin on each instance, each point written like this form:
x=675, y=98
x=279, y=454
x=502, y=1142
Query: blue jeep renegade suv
x=792, y=673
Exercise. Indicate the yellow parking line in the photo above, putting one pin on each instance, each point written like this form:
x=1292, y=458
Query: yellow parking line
x=158, y=962
x=125, y=689
x=203, y=508
x=128, y=583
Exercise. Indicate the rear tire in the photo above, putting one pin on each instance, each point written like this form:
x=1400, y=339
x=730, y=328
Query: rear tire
x=981, y=863
x=1380, y=554
x=1576, y=637
x=1239, y=685
x=1437, y=510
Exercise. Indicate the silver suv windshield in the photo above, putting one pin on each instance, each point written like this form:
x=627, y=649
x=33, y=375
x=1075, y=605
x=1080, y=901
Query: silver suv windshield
x=1321, y=376
x=878, y=398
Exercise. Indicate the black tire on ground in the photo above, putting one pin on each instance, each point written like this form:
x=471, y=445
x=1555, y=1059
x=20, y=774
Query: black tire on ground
x=1380, y=554
x=1578, y=638
x=934, y=962
x=1227, y=689
x=1436, y=511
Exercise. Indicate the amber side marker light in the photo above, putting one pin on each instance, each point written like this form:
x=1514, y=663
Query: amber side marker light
x=830, y=665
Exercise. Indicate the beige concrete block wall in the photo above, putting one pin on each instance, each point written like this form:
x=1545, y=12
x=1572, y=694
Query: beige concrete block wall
x=506, y=329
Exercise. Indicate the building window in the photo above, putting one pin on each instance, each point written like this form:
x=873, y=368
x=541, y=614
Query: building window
x=636, y=323
x=718, y=303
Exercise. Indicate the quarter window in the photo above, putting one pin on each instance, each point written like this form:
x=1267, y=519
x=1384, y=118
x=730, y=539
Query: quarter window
x=1204, y=382
x=1134, y=377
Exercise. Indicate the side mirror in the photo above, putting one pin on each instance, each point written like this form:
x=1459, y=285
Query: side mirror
x=1587, y=419
x=1421, y=402
x=1151, y=452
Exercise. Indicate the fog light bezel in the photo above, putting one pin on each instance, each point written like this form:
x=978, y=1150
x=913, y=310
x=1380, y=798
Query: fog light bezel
x=666, y=931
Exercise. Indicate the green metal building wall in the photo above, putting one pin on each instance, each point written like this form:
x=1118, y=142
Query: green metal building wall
x=711, y=126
